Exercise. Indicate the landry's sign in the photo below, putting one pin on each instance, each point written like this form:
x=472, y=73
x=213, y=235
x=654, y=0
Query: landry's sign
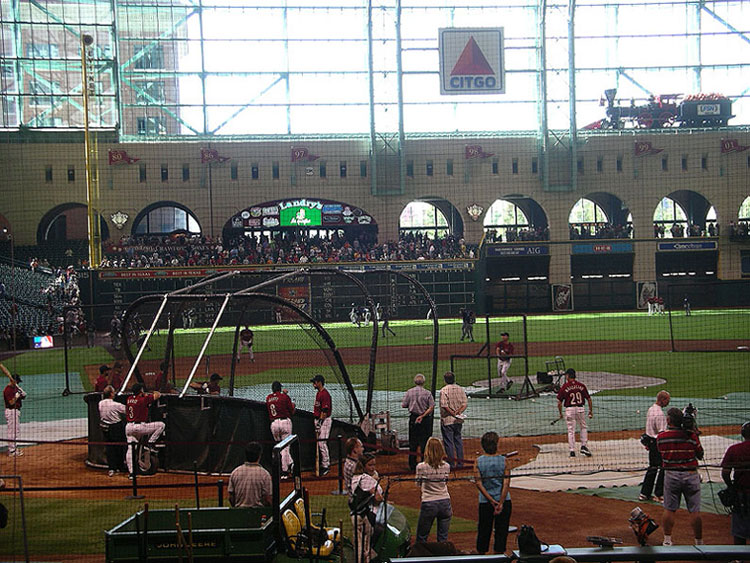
x=301, y=212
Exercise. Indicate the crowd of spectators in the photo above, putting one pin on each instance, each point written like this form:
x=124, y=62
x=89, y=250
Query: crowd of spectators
x=580, y=231
x=680, y=230
x=283, y=248
x=740, y=230
x=514, y=234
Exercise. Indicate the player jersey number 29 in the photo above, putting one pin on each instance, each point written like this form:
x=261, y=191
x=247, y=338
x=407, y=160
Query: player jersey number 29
x=576, y=400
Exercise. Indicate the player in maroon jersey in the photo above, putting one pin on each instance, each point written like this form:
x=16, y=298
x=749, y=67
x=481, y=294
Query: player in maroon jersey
x=104, y=379
x=280, y=410
x=573, y=396
x=322, y=412
x=246, y=341
x=138, y=426
x=504, y=351
x=210, y=387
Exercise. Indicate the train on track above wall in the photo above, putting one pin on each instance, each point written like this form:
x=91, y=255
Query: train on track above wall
x=667, y=110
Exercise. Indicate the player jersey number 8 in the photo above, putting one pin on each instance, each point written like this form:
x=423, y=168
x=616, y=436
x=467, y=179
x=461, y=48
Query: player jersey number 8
x=272, y=408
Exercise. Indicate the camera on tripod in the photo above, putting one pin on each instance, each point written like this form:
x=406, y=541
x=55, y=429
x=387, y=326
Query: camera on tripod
x=689, y=423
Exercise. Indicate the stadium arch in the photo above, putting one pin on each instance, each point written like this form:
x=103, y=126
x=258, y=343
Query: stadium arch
x=600, y=215
x=431, y=215
x=67, y=222
x=681, y=214
x=684, y=208
x=164, y=218
x=508, y=216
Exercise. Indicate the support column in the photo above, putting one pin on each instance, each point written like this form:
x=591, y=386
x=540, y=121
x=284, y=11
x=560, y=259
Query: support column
x=559, y=263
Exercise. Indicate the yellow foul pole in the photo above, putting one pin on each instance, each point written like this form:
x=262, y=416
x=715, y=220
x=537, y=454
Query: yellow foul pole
x=91, y=150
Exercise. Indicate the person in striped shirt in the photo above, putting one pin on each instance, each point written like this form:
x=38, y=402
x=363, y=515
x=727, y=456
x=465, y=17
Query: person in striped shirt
x=680, y=449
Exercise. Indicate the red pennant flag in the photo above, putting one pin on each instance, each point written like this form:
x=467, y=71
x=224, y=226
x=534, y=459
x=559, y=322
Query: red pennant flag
x=732, y=145
x=643, y=148
x=118, y=156
x=212, y=155
x=302, y=153
x=476, y=151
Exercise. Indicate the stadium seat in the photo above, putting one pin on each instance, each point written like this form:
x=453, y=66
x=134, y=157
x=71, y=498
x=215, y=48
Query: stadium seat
x=333, y=534
x=298, y=542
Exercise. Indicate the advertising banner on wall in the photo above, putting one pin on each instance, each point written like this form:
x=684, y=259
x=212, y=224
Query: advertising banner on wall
x=471, y=60
x=298, y=293
x=646, y=290
x=562, y=297
x=301, y=213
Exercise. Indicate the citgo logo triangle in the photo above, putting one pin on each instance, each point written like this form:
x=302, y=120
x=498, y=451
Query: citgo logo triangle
x=472, y=61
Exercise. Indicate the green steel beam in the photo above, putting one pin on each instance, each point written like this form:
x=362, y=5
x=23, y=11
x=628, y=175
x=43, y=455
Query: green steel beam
x=158, y=105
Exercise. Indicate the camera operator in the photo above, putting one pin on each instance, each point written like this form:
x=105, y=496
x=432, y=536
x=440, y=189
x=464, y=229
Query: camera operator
x=737, y=460
x=680, y=450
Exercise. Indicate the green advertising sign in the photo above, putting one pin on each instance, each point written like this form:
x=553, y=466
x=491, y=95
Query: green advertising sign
x=299, y=216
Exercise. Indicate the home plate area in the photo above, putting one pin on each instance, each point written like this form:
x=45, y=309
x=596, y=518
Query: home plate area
x=614, y=463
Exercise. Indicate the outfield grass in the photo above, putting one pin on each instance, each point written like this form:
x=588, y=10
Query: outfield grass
x=694, y=374
x=710, y=324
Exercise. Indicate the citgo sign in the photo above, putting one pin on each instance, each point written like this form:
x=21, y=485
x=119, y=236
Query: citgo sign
x=471, y=61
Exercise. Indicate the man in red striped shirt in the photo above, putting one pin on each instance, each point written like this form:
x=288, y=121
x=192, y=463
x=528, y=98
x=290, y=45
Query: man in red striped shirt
x=680, y=450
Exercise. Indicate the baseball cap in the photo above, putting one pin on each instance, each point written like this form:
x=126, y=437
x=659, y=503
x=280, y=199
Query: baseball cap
x=318, y=378
x=570, y=371
x=16, y=378
x=215, y=377
x=103, y=368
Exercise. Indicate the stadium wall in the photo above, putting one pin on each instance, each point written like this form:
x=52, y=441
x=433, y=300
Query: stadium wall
x=40, y=177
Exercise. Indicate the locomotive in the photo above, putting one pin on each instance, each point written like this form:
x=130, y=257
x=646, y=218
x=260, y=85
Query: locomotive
x=695, y=110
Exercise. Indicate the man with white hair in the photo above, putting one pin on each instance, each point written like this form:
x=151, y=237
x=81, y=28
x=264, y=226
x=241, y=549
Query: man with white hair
x=656, y=421
x=421, y=404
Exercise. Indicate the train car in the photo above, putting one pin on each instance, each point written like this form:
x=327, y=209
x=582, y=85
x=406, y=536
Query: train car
x=697, y=110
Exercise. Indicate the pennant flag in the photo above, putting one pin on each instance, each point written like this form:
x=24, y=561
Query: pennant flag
x=732, y=145
x=212, y=155
x=118, y=156
x=303, y=153
x=643, y=148
x=472, y=61
x=475, y=151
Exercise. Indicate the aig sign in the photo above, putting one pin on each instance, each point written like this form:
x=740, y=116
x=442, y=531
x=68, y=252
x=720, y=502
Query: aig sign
x=471, y=61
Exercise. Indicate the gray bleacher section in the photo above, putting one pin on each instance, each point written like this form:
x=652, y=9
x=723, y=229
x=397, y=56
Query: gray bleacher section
x=27, y=288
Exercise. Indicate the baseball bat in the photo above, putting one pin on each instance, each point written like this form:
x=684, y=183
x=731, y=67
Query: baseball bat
x=555, y=421
x=511, y=454
x=5, y=370
x=317, y=452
